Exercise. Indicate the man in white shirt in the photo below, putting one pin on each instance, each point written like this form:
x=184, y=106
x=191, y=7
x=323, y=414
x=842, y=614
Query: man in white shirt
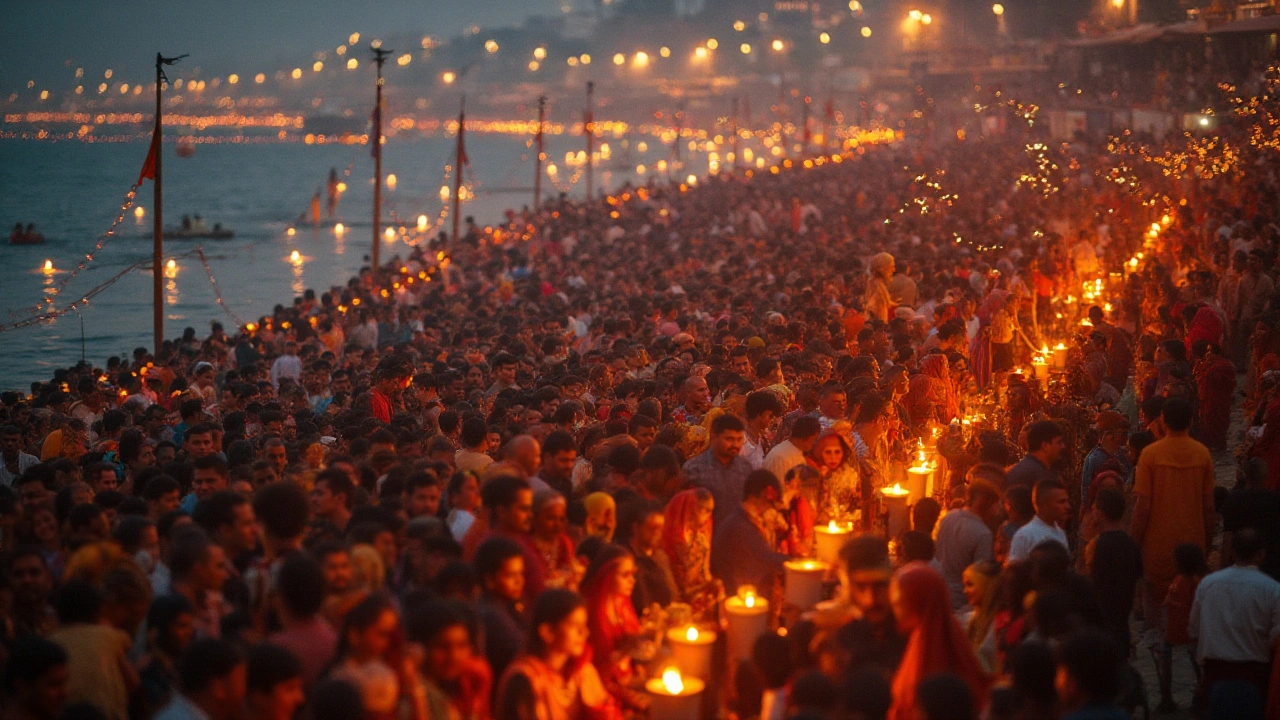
x=763, y=407
x=1235, y=618
x=1053, y=509
x=288, y=365
x=13, y=462
x=790, y=452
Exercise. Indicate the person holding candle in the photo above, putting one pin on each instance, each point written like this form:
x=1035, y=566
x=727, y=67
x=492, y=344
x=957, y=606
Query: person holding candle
x=935, y=641
x=686, y=539
x=555, y=679
x=614, y=627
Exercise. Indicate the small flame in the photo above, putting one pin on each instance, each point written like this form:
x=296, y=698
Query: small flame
x=48, y=266
x=672, y=681
x=896, y=490
x=749, y=600
x=295, y=257
x=691, y=634
x=1059, y=346
x=171, y=264
x=832, y=527
x=339, y=228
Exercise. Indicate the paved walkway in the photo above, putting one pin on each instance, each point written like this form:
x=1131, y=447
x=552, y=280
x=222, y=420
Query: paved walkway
x=1184, y=679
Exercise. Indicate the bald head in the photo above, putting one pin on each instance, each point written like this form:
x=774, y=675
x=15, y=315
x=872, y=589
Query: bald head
x=697, y=396
x=524, y=452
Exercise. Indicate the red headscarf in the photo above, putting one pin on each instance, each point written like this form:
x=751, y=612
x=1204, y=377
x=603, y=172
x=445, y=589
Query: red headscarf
x=937, y=644
x=680, y=513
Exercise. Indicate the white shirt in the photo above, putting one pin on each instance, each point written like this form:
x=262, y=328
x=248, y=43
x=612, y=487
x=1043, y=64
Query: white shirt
x=784, y=456
x=753, y=452
x=1031, y=535
x=24, y=461
x=285, y=366
x=1236, y=615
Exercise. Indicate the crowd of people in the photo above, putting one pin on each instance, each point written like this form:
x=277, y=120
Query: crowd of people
x=484, y=480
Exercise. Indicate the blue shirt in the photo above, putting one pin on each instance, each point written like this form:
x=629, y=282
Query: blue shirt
x=725, y=482
x=740, y=555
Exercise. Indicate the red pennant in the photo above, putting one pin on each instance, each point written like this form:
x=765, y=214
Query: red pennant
x=149, y=165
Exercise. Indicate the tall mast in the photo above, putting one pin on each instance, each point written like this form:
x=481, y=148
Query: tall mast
x=589, y=129
x=379, y=57
x=460, y=159
x=537, y=153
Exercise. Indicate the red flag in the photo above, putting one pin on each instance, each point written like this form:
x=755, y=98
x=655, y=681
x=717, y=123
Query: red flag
x=149, y=165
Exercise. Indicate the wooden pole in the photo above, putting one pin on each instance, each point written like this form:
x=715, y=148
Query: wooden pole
x=459, y=155
x=733, y=127
x=537, y=155
x=589, y=129
x=379, y=57
x=157, y=246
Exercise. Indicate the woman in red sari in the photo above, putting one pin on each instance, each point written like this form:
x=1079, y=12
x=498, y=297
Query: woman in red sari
x=615, y=629
x=686, y=538
x=932, y=395
x=1215, y=385
x=935, y=641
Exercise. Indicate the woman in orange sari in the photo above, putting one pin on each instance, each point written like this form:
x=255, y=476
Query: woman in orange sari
x=935, y=641
x=614, y=626
x=686, y=538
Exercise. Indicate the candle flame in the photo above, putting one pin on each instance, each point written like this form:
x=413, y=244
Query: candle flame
x=1059, y=346
x=339, y=228
x=896, y=490
x=832, y=527
x=749, y=600
x=672, y=681
x=295, y=256
x=691, y=634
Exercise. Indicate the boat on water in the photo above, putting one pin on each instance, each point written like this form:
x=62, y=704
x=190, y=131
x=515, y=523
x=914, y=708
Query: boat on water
x=194, y=228
x=29, y=236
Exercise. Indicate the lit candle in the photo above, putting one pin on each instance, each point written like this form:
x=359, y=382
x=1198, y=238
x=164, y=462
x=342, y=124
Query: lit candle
x=748, y=619
x=691, y=650
x=1059, y=356
x=830, y=538
x=48, y=267
x=1041, y=367
x=919, y=479
x=804, y=582
x=675, y=697
x=895, y=501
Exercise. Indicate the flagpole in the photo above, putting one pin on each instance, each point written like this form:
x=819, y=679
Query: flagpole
x=537, y=156
x=157, y=245
x=589, y=129
x=457, y=165
x=379, y=57
x=733, y=117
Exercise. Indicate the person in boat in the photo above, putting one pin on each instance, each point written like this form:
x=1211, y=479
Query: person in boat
x=186, y=222
x=332, y=204
x=16, y=235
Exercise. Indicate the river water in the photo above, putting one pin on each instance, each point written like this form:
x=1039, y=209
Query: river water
x=72, y=191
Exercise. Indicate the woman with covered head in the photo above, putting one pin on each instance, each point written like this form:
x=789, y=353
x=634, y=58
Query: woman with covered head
x=614, y=626
x=932, y=395
x=935, y=641
x=686, y=538
x=549, y=541
x=877, y=301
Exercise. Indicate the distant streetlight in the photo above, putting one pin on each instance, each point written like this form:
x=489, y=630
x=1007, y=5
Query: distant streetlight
x=824, y=38
x=866, y=32
x=778, y=45
x=998, y=9
x=448, y=77
x=745, y=48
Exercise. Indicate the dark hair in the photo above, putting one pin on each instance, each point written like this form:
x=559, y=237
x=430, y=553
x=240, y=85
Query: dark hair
x=916, y=546
x=1045, y=486
x=865, y=693
x=1110, y=502
x=82, y=515
x=166, y=609
x=301, y=585
x=337, y=700
x=362, y=616
x=207, y=660
x=159, y=486
x=726, y=423
x=338, y=482
x=558, y=442
x=129, y=531
x=1042, y=432
x=763, y=401
x=865, y=552
x=190, y=547
x=812, y=690
x=211, y=462
x=774, y=657
x=944, y=696
x=78, y=601
x=1189, y=559
x=552, y=607
x=1093, y=660
x=925, y=514
x=1032, y=668
x=425, y=622
x=474, y=431
x=502, y=491
x=282, y=509
x=1246, y=544
x=217, y=510
x=806, y=427
x=1177, y=414
x=758, y=483
x=269, y=666
x=493, y=553
x=30, y=657
x=1019, y=496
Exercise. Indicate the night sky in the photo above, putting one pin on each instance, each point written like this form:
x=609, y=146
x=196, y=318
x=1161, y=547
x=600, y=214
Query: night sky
x=45, y=40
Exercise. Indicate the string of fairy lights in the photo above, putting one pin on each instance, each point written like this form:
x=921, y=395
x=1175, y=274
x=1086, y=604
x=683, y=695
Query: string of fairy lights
x=217, y=291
